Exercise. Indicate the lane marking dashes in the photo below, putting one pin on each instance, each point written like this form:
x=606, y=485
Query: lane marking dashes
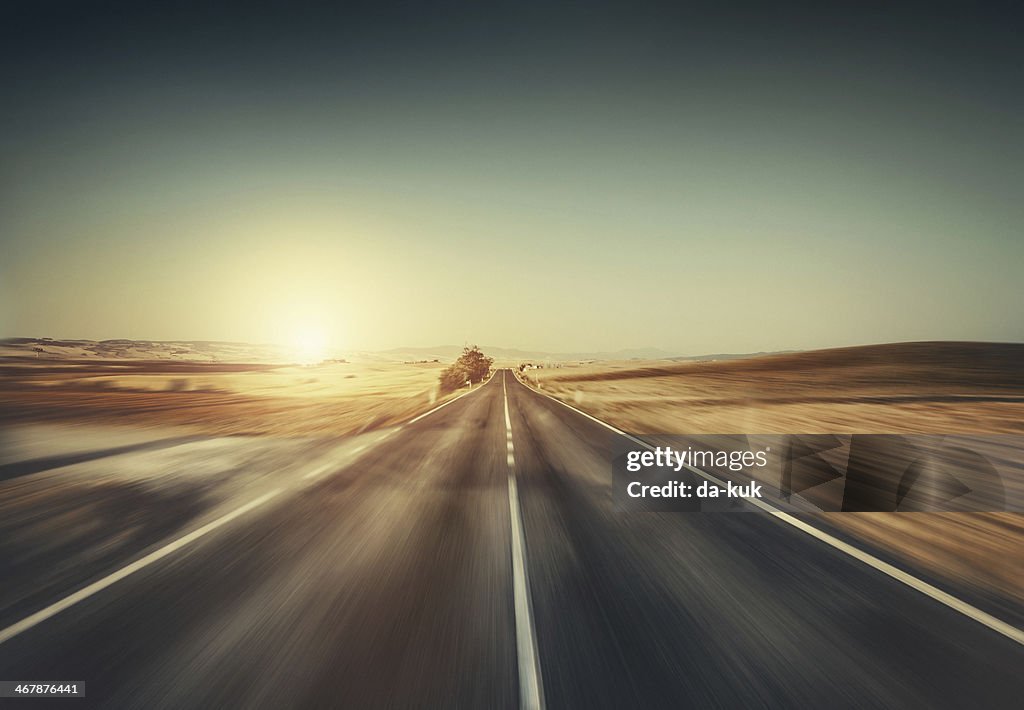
x=531, y=693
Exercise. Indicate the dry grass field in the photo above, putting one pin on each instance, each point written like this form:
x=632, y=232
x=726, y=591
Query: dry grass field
x=217, y=398
x=962, y=388
x=927, y=388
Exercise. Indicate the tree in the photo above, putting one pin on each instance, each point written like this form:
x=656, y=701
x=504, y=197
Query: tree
x=453, y=377
x=472, y=365
x=476, y=364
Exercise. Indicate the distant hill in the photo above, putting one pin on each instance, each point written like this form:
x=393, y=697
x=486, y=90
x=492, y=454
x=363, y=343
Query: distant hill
x=1001, y=356
x=206, y=350
x=952, y=363
x=714, y=357
x=192, y=350
x=450, y=352
x=220, y=351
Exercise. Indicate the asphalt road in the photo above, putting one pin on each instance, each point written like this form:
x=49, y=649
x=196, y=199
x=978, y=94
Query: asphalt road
x=383, y=572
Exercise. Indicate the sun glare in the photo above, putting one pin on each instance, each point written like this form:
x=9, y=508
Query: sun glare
x=310, y=346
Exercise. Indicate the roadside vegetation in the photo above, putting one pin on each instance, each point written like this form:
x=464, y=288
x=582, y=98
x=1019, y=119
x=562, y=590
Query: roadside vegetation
x=472, y=366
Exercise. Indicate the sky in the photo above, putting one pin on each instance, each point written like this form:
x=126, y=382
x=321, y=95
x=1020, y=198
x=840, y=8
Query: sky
x=546, y=176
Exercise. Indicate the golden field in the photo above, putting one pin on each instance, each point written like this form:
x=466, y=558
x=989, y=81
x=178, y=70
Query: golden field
x=218, y=398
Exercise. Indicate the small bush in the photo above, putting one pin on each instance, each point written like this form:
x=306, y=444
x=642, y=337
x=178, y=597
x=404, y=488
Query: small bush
x=453, y=377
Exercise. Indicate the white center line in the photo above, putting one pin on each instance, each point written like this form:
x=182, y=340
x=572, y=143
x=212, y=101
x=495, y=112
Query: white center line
x=85, y=592
x=508, y=419
x=531, y=693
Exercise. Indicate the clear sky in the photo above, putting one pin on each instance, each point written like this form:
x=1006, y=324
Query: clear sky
x=560, y=177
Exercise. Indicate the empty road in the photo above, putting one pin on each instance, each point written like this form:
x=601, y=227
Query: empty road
x=469, y=558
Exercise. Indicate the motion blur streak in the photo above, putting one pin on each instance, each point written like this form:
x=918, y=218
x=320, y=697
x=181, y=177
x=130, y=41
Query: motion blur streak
x=69, y=601
x=389, y=583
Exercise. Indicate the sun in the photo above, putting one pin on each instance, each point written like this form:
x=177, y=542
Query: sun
x=310, y=345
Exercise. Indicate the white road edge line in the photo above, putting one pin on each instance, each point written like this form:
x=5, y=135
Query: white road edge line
x=99, y=585
x=318, y=471
x=85, y=592
x=954, y=603
x=531, y=693
x=453, y=399
x=334, y=465
x=325, y=468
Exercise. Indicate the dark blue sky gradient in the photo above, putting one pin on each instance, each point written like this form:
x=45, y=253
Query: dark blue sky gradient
x=564, y=176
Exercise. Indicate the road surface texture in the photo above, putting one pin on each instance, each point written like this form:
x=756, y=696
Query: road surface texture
x=470, y=558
